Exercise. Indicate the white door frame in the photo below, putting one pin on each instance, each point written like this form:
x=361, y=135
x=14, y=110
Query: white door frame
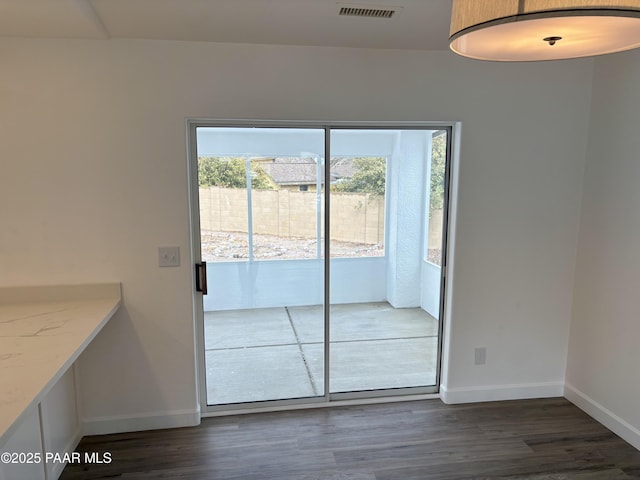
x=379, y=396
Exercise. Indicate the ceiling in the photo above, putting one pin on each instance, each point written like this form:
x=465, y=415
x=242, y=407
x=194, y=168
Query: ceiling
x=415, y=25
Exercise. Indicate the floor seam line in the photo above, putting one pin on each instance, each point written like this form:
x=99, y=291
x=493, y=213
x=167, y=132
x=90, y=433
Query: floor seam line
x=304, y=358
x=218, y=349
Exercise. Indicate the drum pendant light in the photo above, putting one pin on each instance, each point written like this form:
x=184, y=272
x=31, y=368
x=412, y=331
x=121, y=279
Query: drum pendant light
x=530, y=30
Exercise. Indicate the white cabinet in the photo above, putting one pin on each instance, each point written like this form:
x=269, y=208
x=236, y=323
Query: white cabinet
x=61, y=430
x=24, y=441
x=49, y=428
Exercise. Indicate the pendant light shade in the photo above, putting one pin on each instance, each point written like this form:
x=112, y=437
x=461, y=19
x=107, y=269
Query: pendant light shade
x=529, y=30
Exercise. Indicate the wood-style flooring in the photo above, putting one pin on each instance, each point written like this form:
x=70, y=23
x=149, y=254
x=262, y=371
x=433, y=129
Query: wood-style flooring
x=547, y=439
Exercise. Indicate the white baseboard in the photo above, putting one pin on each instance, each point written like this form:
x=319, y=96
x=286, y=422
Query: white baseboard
x=136, y=423
x=493, y=393
x=603, y=415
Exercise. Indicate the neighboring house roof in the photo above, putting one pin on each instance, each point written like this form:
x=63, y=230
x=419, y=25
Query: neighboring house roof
x=303, y=171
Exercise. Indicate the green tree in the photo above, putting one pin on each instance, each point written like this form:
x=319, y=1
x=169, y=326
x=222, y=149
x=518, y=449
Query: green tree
x=369, y=176
x=438, y=162
x=231, y=173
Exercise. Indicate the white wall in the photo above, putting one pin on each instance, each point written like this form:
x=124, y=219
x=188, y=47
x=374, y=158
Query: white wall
x=262, y=284
x=431, y=276
x=94, y=180
x=405, y=217
x=602, y=372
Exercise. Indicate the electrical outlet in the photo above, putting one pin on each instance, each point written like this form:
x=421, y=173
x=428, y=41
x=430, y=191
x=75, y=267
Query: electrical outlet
x=168, y=256
x=480, y=354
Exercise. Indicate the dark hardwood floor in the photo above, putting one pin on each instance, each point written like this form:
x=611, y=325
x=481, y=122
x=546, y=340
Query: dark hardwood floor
x=546, y=439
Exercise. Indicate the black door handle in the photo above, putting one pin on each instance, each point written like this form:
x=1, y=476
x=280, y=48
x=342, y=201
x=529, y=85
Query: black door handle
x=201, y=277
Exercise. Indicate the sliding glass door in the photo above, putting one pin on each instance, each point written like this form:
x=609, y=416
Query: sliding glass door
x=261, y=194
x=288, y=317
x=382, y=336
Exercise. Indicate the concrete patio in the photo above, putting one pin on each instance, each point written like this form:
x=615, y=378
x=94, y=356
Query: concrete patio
x=277, y=353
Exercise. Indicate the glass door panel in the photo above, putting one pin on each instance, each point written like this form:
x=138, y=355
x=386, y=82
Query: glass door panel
x=261, y=193
x=382, y=333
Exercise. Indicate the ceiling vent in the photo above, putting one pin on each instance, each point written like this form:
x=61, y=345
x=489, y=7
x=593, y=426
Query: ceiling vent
x=367, y=11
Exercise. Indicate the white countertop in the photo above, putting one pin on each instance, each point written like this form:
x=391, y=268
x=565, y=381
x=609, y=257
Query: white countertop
x=43, y=330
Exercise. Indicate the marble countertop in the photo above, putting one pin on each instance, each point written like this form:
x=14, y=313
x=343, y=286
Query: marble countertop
x=43, y=330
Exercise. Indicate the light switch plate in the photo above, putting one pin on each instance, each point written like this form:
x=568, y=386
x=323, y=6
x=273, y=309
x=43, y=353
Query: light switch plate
x=168, y=256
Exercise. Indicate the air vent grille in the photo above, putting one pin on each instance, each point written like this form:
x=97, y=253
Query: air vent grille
x=367, y=12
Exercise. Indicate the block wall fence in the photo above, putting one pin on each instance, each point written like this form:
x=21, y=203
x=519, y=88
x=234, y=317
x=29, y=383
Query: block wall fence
x=355, y=217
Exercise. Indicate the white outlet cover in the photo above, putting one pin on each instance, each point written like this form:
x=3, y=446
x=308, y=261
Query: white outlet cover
x=168, y=256
x=480, y=354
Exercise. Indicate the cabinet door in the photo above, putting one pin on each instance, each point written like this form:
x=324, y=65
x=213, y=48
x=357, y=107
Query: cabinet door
x=25, y=440
x=60, y=426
